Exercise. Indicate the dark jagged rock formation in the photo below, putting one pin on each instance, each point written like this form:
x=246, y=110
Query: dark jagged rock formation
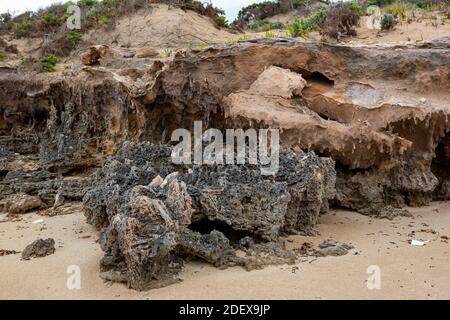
x=38, y=249
x=245, y=200
x=145, y=229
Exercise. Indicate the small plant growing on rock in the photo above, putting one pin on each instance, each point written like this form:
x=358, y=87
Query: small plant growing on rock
x=73, y=36
x=22, y=29
x=103, y=20
x=168, y=52
x=49, y=62
x=269, y=34
x=299, y=27
x=317, y=19
x=387, y=22
x=49, y=19
x=222, y=22
x=202, y=46
x=262, y=25
x=244, y=38
x=397, y=9
x=86, y=3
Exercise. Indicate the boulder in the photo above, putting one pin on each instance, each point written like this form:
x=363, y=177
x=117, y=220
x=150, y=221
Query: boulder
x=97, y=53
x=38, y=249
x=20, y=203
x=200, y=212
x=275, y=81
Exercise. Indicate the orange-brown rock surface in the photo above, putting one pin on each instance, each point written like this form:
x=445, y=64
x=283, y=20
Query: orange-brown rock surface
x=380, y=112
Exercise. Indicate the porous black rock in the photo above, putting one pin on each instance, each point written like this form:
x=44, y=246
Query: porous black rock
x=147, y=230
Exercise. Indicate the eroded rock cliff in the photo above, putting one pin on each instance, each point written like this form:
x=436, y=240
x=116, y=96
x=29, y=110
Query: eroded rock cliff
x=369, y=132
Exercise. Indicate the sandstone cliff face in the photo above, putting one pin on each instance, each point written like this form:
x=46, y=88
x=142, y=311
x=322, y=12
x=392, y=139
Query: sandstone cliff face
x=379, y=113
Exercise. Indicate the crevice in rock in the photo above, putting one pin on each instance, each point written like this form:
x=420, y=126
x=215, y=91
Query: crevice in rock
x=205, y=226
x=317, y=78
x=3, y=174
x=440, y=166
x=345, y=169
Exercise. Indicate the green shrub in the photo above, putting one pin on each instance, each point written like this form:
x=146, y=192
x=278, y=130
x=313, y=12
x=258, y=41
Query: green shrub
x=397, y=9
x=431, y=7
x=387, y=21
x=73, y=36
x=87, y=3
x=269, y=34
x=356, y=6
x=23, y=28
x=222, y=22
x=103, y=20
x=168, y=52
x=298, y=3
x=257, y=11
x=301, y=26
x=263, y=26
x=49, y=19
x=317, y=18
x=277, y=25
x=266, y=27
x=68, y=4
x=197, y=5
x=49, y=62
x=380, y=3
x=244, y=38
x=110, y=3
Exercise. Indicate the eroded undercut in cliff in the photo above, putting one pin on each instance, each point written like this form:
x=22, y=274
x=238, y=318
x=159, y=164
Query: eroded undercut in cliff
x=317, y=78
x=441, y=168
x=205, y=226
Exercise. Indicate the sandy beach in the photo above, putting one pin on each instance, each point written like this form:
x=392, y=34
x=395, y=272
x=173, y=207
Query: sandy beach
x=407, y=272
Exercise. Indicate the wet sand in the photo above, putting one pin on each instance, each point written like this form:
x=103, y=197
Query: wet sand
x=407, y=272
